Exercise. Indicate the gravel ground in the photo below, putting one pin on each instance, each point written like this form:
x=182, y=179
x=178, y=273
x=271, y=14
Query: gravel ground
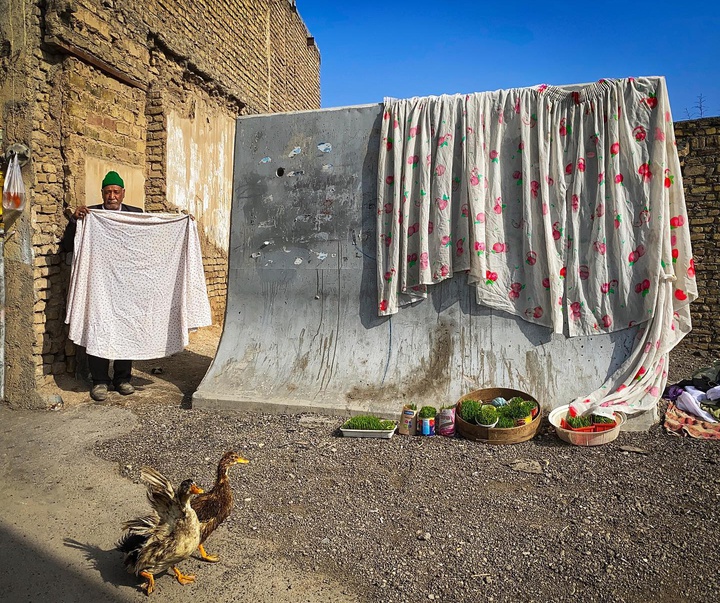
x=446, y=519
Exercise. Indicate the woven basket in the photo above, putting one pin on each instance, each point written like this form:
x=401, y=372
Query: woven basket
x=495, y=435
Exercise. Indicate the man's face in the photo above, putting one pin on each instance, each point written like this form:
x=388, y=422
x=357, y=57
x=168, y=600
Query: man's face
x=113, y=196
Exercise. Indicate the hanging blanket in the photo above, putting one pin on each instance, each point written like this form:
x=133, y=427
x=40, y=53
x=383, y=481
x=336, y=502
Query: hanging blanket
x=564, y=205
x=137, y=285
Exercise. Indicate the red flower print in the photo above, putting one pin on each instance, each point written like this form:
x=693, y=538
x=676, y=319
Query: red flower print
x=639, y=133
x=515, y=289
x=534, y=188
x=383, y=305
x=600, y=247
x=691, y=269
x=618, y=220
x=556, y=231
x=600, y=210
x=490, y=277
x=618, y=179
x=677, y=222
x=389, y=274
x=480, y=218
x=644, y=171
x=537, y=312
x=606, y=321
x=650, y=101
x=424, y=261
x=546, y=283
x=498, y=207
x=675, y=254
x=680, y=295
x=439, y=170
x=445, y=241
x=459, y=247
x=549, y=180
x=563, y=272
x=388, y=208
x=640, y=373
x=575, y=310
x=643, y=288
x=431, y=227
x=659, y=135
x=494, y=156
x=442, y=203
x=517, y=176
x=601, y=177
x=564, y=130
x=389, y=144
x=499, y=247
x=584, y=272
x=444, y=270
x=389, y=180
x=474, y=179
x=581, y=164
x=575, y=203
x=412, y=259
x=531, y=258
x=614, y=148
x=569, y=168
x=413, y=160
x=669, y=179
x=465, y=210
x=479, y=247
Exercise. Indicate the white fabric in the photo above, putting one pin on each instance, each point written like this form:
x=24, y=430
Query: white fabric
x=137, y=284
x=564, y=205
x=714, y=393
x=688, y=403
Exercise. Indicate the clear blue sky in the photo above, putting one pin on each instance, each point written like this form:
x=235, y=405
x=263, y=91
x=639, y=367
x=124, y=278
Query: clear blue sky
x=372, y=49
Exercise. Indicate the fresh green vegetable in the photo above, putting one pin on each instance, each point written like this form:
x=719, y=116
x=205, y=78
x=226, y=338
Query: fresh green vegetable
x=368, y=422
x=516, y=408
x=576, y=422
x=505, y=422
x=601, y=419
x=411, y=406
x=487, y=415
x=427, y=412
x=469, y=410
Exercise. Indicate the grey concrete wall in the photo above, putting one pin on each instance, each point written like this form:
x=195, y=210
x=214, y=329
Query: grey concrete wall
x=301, y=328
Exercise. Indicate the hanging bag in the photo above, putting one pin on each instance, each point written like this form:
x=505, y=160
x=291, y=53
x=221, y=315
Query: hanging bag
x=14, y=189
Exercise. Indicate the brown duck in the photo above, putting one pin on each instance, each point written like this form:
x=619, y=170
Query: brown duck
x=214, y=506
x=167, y=536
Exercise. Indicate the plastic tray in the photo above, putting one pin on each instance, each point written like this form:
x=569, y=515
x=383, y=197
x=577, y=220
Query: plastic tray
x=368, y=433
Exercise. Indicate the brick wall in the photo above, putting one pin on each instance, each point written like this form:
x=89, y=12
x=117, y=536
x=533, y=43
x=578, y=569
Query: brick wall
x=698, y=144
x=97, y=79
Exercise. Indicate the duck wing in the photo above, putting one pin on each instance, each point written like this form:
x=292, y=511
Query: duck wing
x=160, y=493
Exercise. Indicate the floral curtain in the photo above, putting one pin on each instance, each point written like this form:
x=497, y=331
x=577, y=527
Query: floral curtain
x=564, y=205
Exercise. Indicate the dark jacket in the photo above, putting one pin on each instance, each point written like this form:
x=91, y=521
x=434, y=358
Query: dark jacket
x=68, y=240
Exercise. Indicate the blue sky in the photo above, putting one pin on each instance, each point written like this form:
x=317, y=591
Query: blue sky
x=402, y=49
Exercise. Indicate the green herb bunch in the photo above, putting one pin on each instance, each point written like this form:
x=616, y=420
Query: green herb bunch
x=576, y=422
x=368, y=422
x=427, y=412
x=487, y=415
x=469, y=410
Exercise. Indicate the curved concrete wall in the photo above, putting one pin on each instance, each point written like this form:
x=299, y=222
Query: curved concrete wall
x=301, y=328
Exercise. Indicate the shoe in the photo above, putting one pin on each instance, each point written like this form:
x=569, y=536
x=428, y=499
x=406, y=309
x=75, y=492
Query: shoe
x=99, y=392
x=124, y=388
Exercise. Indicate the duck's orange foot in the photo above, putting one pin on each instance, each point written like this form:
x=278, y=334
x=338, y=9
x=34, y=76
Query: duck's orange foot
x=183, y=578
x=148, y=586
x=206, y=557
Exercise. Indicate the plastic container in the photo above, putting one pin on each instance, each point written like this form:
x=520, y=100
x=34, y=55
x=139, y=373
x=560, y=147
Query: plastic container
x=584, y=438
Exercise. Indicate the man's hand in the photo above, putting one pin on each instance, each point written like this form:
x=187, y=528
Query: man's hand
x=80, y=212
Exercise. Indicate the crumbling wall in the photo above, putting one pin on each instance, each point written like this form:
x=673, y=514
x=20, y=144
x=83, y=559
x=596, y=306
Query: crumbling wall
x=698, y=144
x=89, y=85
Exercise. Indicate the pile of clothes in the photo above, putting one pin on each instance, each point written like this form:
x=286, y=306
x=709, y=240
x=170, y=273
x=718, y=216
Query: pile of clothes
x=694, y=405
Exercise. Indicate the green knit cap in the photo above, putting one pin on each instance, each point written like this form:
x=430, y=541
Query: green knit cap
x=112, y=179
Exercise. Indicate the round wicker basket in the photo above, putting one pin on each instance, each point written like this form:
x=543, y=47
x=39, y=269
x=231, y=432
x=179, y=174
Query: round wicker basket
x=495, y=435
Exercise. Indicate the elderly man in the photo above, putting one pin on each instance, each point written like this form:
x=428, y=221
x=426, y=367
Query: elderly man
x=113, y=194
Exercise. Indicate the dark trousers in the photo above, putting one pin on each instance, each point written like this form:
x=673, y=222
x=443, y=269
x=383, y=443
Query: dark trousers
x=100, y=370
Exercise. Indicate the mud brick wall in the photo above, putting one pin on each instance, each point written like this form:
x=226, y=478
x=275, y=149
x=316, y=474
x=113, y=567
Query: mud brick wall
x=98, y=78
x=698, y=143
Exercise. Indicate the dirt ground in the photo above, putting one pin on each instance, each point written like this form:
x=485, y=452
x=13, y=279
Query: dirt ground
x=320, y=518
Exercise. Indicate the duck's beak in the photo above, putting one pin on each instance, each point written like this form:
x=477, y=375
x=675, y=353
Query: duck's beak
x=195, y=489
x=241, y=461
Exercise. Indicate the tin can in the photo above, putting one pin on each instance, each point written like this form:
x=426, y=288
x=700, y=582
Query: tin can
x=408, y=421
x=427, y=426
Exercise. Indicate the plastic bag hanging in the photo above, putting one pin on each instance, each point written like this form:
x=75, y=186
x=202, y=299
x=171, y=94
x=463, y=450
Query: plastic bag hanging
x=14, y=188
